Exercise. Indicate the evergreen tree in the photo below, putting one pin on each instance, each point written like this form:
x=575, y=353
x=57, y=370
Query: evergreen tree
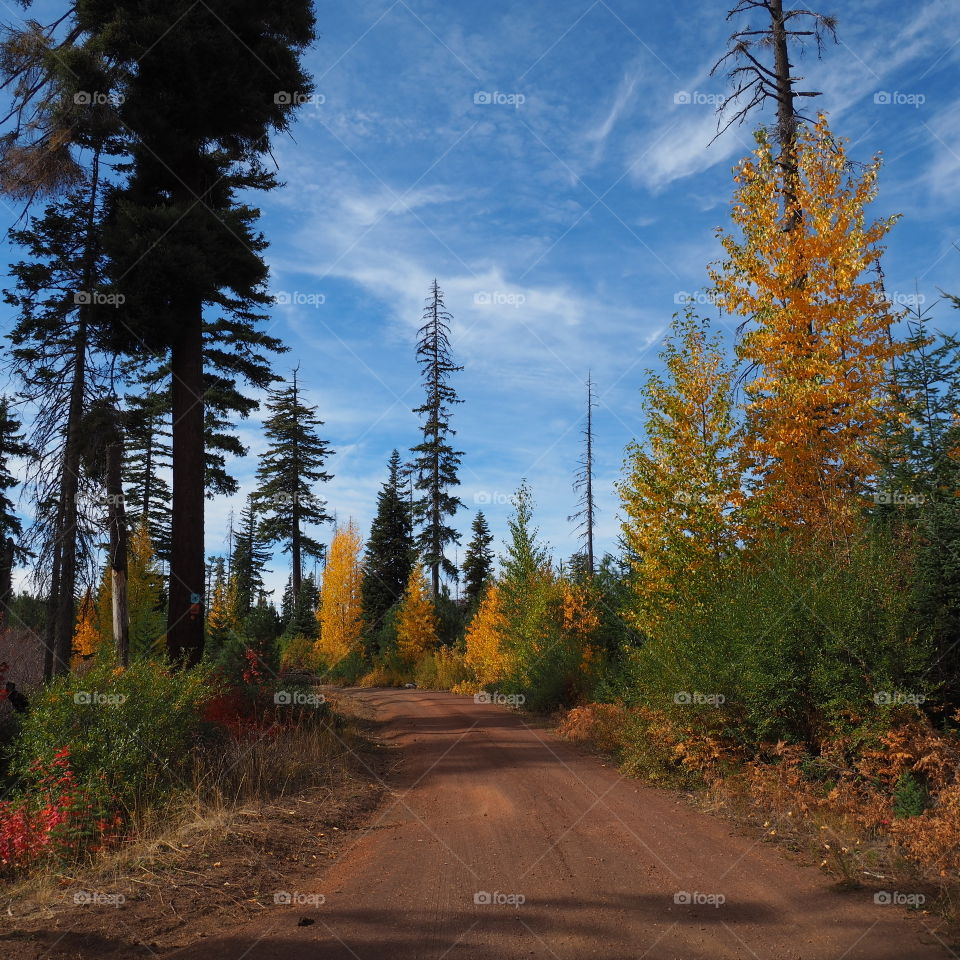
x=292, y=463
x=58, y=356
x=477, y=562
x=148, y=453
x=302, y=617
x=250, y=555
x=435, y=461
x=583, y=483
x=12, y=444
x=179, y=238
x=390, y=552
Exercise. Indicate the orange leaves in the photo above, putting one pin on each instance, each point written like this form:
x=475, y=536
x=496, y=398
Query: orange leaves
x=339, y=611
x=417, y=619
x=802, y=269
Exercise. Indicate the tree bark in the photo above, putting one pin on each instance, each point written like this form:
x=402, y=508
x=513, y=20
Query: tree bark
x=185, y=614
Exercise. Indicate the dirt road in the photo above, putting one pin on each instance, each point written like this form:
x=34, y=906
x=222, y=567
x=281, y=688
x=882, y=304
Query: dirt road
x=500, y=841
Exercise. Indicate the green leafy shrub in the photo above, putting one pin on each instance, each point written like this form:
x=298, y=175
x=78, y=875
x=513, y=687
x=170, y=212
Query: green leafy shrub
x=135, y=726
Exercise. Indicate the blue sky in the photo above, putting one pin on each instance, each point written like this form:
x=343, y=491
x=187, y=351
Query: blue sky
x=540, y=160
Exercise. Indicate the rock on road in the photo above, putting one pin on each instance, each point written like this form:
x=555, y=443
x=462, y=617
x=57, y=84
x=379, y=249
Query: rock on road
x=500, y=841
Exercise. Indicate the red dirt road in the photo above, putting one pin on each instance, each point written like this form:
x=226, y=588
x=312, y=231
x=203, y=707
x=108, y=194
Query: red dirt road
x=486, y=804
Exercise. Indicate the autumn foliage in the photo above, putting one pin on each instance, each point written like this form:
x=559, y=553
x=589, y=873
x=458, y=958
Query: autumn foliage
x=339, y=614
x=417, y=619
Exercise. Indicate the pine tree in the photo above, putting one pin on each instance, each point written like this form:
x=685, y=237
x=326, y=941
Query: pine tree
x=292, y=463
x=340, y=613
x=12, y=445
x=58, y=355
x=390, y=553
x=148, y=454
x=477, y=562
x=247, y=564
x=681, y=486
x=179, y=237
x=416, y=618
x=435, y=463
x=583, y=484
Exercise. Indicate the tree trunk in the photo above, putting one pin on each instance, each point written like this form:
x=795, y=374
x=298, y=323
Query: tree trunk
x=118, y=552
x=185, y=615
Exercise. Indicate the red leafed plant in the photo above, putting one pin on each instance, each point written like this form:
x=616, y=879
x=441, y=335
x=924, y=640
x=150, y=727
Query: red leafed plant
x=56, y=818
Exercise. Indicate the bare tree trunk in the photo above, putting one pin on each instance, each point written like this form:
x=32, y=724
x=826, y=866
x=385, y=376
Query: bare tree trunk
x=6, y=581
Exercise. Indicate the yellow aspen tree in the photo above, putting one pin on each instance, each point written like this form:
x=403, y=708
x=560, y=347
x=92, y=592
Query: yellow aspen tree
x=681, y=486
x=86, y=637
x=339, y=612
x=145, y=598
x=416, y=618
x=803, y=267
x=487, y=655
x=219, y=618
x=580, y=620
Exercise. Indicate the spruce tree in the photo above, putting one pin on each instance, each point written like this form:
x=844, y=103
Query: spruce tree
x=436, y=462
x=477, y=563
x=390, y=551
x=203, y=92
x=291, y=465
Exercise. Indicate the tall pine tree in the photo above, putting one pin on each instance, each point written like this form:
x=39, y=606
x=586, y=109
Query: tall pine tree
x=390, y=551
x=289, y=468
x=12, y=446
x=181, y=240
x=247, y=562
x=478, y=562
x=436, y=462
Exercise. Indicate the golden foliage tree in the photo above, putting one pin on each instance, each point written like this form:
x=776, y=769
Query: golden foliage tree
x=805, y=270
x=416, y=618
x=681, y=487
x=487, y=655
x=339, y=612
x=145, y=598
x=87, y=638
